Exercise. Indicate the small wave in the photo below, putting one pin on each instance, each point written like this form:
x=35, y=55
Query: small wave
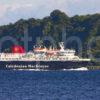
x=77, y=69
x=28, y=69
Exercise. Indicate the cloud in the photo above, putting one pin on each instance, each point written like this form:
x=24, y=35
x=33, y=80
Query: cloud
x=12, y=10
x=3, y=10
x=18, y=6
x=11, y=13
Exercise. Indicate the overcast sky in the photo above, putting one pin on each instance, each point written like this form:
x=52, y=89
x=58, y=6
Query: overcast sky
x=13, y=10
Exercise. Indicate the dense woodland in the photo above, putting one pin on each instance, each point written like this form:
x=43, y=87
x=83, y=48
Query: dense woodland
x=85, y=27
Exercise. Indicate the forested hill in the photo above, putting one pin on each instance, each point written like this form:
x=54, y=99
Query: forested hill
x=85, y=27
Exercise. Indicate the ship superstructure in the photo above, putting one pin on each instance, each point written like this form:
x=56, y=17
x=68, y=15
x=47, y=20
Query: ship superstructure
x=43, y=54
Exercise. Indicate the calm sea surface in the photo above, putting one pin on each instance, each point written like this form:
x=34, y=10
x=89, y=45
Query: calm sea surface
x=68, y=85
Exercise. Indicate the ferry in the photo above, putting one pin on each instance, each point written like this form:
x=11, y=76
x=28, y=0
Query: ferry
x=42, y=58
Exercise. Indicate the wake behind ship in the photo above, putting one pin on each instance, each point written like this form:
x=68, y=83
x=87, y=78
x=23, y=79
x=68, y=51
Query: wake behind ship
x=43, y=59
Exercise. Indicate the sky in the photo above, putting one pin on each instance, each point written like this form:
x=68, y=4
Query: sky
x=13, y=10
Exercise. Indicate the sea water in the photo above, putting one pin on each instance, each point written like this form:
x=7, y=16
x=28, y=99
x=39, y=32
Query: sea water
x=50, y=85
